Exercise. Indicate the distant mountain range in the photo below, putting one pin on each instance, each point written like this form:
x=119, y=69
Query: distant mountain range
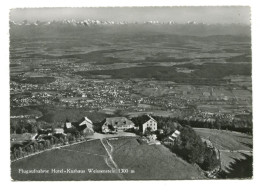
x=190, y=28
x=89, y=22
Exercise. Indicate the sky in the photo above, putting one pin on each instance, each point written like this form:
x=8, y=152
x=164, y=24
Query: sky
x=204, y=14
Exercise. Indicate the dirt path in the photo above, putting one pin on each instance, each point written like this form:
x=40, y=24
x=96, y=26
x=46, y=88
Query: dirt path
x=112, y=148
x=109, y=160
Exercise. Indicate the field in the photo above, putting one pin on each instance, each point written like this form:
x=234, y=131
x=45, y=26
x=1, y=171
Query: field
x=151, y=161
x=51, y=114
x=235, y=149
x=35, y=80
x=59, y=115
x=169, y=73
x=81, y=157
x=227, y=140
x=163, y=56
x=16, y=111
x=141, y=162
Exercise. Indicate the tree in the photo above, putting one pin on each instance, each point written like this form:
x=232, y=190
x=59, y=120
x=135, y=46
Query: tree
x=34, y=128
x=56, y=140
x=210, y=160
x=119, y=112
x=36, y=146
x=21, y=153
x=217, y=124
x=62, y=141
x=40, y=146
x=27, y=150
x=16, y=153
x=12, y=156
x=148, y=131
x=32, y=148
x=48, y=144
x=66, y=140
x=189, y=146
x=51, y=141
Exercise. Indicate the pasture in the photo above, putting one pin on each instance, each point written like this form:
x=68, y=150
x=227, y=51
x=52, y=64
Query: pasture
x=151, y=162
x=227, y=140
x=125, y=153
x=84, y=156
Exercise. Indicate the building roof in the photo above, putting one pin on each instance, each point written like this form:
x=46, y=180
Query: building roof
x=147, y=118
x=59, y=130
x=118, y=121
x=85, y=119
x=176, y=134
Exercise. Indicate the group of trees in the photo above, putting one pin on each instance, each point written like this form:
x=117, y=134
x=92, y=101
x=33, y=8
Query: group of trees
x=45, y=139
x=190, y=147
x=241, y=125
x=238, y=124
x=22, y=150
x=21, y=126
x=19, y=150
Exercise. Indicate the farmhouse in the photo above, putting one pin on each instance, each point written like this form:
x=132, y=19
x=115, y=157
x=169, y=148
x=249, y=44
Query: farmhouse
x=86, y=125
x=115, y=124
x=148, y=122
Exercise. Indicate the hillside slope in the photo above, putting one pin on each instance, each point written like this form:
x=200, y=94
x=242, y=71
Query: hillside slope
x=151, y=162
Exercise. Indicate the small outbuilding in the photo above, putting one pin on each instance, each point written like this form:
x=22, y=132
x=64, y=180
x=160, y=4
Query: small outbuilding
x=58, y=131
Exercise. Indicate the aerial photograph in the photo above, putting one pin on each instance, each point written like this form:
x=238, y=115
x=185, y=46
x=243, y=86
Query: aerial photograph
x=130, y=93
